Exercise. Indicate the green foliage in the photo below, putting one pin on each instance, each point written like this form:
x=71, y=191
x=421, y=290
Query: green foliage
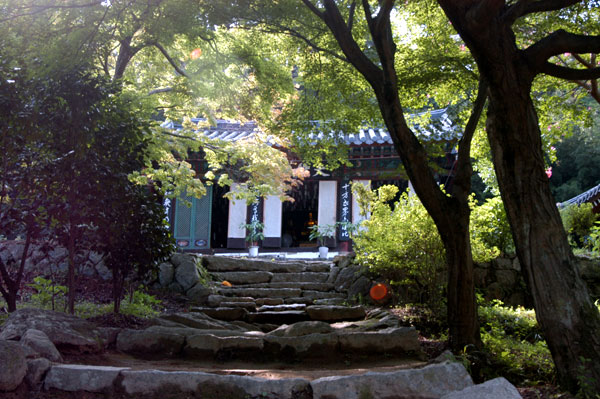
x=401, y=244
x=578, y=221
x=514, y=344
x=490, y=230
x=141, y=304
x=48, y=294
x=321, y=232
x=254, y=231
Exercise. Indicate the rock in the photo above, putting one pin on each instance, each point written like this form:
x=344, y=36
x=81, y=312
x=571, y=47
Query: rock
x=480, y=275
x=506, y=278
x=215, y=300
x=343, y=261
x=228, y=314
x=36, y=371
x=198, y=293
x=14, y=365
x=516, y=264
x=305, y=277
x=75, y=377
x=150, y=342
x=330, y=301
x=498, y=388
x=311, y=345
x=200, y=345
x=39, y=342
x=166, y=272
x=502, y=263
x=333, y=273
x=197, y=320
x=278, y=308
x=335, y=313
x=261, y=292
x=269, y=301
x=186, y=273
x=516, y=299
x=445, y=356
x=206, y=385
x=390, y=340
x=429, y=382
x=360, y=288
x=68, y=333
x=249, y=306
x=494, y=291
x=109, y=335
x=306, y=328
x=175, y=287
x=346, y=277
x=244, y=277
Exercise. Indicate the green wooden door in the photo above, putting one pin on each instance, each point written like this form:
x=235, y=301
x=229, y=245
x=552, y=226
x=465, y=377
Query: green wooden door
x=192, y=223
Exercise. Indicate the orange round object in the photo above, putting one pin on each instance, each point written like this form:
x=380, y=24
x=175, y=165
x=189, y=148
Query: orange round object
x=378, y=292
x=196, y=53
x=226, y=283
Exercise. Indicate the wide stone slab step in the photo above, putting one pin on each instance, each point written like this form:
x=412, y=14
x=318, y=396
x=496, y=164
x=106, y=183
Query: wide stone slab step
x=226, y=264
x=278, y=317
x=243, y=277
x=436, y=381
x=325, y=287
x=261, y=292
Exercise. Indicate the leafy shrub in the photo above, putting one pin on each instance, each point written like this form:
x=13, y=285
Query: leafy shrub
x=516, y=349
x=401, y=243
x=48, y=294
x=578, y=221
x=490, y=228
x=141, y=304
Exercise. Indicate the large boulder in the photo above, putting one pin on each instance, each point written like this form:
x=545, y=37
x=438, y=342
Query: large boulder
x=68, y=333
x=186, y=272
x=76, y=377
x=14, y=365
x=36, y=371
x=39, y=342
x=429, y=382
x=347, y=276
x=151, y=342
x=204, y=385
x=166, y=272
x=498, y=388
x=198, y=320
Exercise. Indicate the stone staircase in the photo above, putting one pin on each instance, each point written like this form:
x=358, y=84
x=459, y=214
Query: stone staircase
x=276, y=292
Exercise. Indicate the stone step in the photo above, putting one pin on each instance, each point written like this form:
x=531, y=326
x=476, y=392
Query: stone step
x=325, y=287
x=278, y=317
x=305, y=277
x=226, y=264
x=261, y=292
x=279, y=308
x=250, y=277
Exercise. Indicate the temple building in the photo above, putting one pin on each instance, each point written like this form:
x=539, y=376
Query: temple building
x=213, y=223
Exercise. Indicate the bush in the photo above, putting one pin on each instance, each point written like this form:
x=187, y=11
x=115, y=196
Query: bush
x=514, y=345
x=401, y=244
x=490, y=229
x=578, y=221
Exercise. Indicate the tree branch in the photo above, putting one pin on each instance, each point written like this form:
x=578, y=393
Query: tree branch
x=160, y=90
x=351, y=16
x=560, y=42
x=569, y=73
x=583, y=61
x=171, y=60
x=464, y=169
x=313, y=9
x=525, y=7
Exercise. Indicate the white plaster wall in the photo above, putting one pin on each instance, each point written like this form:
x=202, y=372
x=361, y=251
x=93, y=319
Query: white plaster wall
x=237, y=216
x=327, y=202
x=272, y=213
x=356, y=216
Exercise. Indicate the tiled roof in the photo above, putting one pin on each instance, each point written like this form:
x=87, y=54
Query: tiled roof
x=440, y=128
x=587, y=196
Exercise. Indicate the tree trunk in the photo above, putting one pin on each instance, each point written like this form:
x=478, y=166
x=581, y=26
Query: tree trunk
x=568, y=318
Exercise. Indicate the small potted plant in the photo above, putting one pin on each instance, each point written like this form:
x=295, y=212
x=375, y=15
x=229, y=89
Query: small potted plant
x=321, y=233
x=254, y=234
